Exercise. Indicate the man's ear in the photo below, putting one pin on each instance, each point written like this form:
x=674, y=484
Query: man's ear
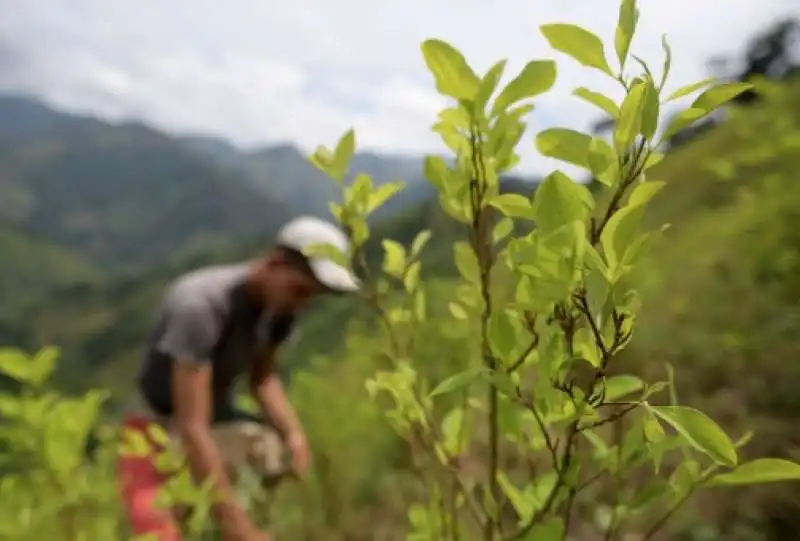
x=274, y=258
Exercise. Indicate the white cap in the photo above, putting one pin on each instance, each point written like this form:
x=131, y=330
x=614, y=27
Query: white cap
x=305, y=231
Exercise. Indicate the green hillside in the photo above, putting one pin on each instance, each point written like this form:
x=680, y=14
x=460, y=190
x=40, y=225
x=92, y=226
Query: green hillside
x=721, y=293
x=31, y=268
x=127, y=198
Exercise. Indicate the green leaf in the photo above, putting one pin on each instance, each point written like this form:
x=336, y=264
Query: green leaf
x=502, y=229
x=667, y=61
x=622, y=385
x=501, y=334
x=559, y=201
x=457, y=311
x=564, y=144
x=653, y=159
x=450, y=70
x=457, y=381
x=522, y=504
x=394, y=258
x=586, y=346
x=158, y=434
x=466, y=262
x=322, y=158
x=629, y=123
x=382, y=194
x=645, y=191
x=599, y=100
x=689, y=89
x=512, y=204
x=342, y=155
x=43, y=364
x=537, y=77
x=704, y=105
x=420, y=241
x=452, y=137
x=437, y=172
x=451, y=431
x=336, y=210
x=489, y=85
x=14, y=364
x=457, y=117
x=719, y=95
x=653, y=432
x=700, y=431
x=603, y=162
x=412, y=276
x=620, y=233
x=356, y=195
x=626, y=27
x=135, y=443
x=578, y=43
x=650, y=110
x=759, y=471
x=327, y=251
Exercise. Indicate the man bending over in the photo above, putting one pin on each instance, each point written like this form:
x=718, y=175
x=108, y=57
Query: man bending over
x=215, y=324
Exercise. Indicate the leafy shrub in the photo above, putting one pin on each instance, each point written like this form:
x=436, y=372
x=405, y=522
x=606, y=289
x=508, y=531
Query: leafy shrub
x=534, y=436
x=48, y=490
x=59, y=459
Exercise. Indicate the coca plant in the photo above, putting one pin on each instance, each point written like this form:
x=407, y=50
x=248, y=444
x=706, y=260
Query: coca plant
x=537, y=436
x=50, y=486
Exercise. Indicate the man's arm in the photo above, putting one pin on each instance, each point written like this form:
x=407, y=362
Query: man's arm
x=191, y=391
x=188, y=340
x=267, y=388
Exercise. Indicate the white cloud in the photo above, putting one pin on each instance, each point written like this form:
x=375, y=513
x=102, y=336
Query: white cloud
x=262, y=72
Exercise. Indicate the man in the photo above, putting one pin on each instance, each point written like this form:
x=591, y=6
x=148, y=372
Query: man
x=215, y=324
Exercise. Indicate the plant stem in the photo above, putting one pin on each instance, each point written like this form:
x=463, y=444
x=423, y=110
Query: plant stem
x=481, y=245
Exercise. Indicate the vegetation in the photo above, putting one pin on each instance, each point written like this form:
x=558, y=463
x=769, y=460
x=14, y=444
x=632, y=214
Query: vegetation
x=446, y=441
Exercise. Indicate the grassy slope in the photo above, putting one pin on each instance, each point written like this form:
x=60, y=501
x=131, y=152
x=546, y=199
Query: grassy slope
x=720, y=294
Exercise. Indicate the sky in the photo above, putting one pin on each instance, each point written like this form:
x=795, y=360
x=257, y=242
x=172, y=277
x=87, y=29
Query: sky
x=304, y=71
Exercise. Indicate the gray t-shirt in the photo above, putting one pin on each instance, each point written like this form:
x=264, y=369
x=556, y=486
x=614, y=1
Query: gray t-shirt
x=207, y=316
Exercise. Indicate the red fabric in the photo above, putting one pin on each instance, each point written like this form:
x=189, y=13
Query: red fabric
x=139, y=481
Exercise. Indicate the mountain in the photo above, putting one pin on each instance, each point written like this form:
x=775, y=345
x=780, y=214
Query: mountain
x=284, y=173
x=126, y=196
x=119, y=195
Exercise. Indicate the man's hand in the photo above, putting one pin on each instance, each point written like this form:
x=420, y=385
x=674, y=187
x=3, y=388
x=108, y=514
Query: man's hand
x=301, y=455
x=267, y=389
x=258, y=536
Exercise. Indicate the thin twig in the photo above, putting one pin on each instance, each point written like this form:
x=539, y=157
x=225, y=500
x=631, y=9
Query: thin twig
x=524, y=355
x=617, y=415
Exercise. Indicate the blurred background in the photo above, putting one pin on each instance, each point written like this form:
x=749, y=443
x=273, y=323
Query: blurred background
x=141, y=139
